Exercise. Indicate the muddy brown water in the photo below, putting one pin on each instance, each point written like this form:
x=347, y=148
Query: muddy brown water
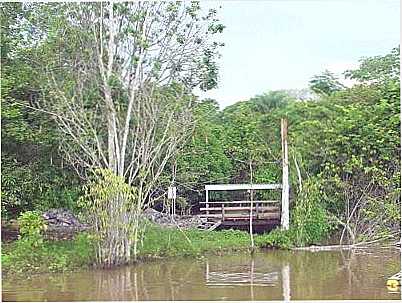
x=269, y=275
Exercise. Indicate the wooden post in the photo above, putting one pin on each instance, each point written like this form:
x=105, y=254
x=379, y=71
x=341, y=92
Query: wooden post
x=172, y=199
x=223, y=212
x=256, y=209
x=285, y=175
x=206, y=200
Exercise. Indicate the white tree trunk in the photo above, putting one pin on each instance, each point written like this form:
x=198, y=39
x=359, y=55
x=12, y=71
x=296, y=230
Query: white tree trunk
x=285, y=176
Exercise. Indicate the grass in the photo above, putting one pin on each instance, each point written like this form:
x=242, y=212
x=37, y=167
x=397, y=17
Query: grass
x=50, y=256
x=160, y=242
x=66, y=255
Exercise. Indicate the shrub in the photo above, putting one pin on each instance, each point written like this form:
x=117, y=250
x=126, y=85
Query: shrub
x=31, y=226
x=112, y=208
x=54, y=256
x=310, y=222
x=277, y=238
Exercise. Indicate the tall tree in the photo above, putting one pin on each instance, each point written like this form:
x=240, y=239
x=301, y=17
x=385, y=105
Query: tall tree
x=378, y=68
x=325, y=83
x=270, y=101
x=121, y=90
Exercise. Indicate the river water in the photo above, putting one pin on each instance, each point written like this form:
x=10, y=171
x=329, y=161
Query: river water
x=269, y=275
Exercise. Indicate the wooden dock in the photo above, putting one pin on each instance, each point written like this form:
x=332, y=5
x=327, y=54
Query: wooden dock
x=229, y=214
x=237, y=213
x=240, y=210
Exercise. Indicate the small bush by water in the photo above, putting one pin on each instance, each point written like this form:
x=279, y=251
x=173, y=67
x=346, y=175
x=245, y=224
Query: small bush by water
x=31, y=253
x=21, y=257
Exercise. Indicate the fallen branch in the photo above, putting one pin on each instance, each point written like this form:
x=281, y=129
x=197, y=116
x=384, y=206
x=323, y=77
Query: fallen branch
x=376, y=241
x=360, y=245
x=298, y=173
x=187, y=238
x=324, y=248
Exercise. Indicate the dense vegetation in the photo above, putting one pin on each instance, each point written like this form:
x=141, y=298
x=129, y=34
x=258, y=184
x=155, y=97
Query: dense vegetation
x=344, y=149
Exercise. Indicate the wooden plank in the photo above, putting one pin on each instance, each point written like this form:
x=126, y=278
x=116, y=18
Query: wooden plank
x=256, y=209
x=231, y=208
x=215, y=226
x=206, y=200
x=237, y=202
x=245, y=222
x=219, y=187
x=275, y=215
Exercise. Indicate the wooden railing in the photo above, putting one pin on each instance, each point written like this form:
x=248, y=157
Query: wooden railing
x=240, y=210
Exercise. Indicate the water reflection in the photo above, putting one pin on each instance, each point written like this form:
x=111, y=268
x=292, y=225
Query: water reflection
x=273, y=275
x=286, y=282
x=240, y=276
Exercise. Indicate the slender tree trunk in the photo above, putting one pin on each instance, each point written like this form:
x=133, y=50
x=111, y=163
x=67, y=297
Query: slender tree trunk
x=285, y=176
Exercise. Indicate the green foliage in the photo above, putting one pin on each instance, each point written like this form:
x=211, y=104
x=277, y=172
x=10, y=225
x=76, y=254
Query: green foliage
x=243, y=132
x=308, y=218
x=170, y=242
x=325, y=84
x=36, y=186
x=378, y=68
x=270, y=101
x=203, y=157
x=309, y=222
x=33, y=177
x=350, y=141
x=244, y=143
x=31, y=225
x=107, y=197
x=20, y=257
x=112, y=208
x=277, y=239
x=346, y=141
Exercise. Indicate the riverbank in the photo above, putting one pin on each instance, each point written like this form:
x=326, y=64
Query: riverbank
x=67, y=255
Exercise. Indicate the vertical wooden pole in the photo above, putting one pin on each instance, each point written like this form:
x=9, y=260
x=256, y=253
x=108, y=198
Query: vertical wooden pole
x=174, y=206
x=223, y=212
x=256, y=210
x=174, y=167
x=285, y=175
x=206, y=200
